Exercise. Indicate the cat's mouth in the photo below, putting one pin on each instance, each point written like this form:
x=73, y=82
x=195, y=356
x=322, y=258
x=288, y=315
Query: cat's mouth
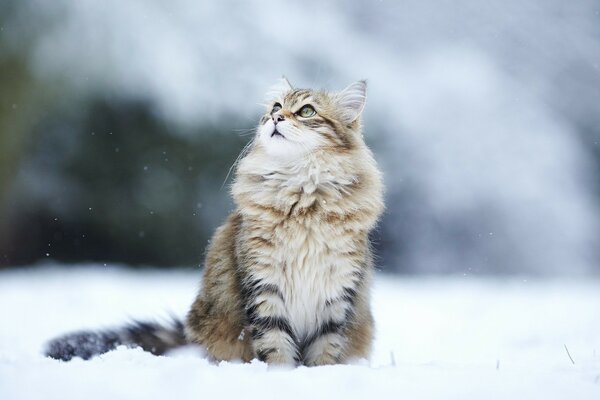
x=276, y=133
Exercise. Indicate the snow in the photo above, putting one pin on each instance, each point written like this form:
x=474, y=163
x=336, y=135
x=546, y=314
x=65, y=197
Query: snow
x=453, y=337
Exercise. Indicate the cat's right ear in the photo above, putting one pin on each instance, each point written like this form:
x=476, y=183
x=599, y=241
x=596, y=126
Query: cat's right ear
x=352, y=100
x=279, y=89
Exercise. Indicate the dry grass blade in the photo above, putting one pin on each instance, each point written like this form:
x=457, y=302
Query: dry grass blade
x=569, y=354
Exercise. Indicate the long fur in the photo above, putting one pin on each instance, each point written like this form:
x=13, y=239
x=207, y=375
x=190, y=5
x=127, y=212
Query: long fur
x=154, y=337
x=287, y=276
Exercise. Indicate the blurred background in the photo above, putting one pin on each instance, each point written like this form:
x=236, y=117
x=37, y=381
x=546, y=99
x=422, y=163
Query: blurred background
x=119, y=121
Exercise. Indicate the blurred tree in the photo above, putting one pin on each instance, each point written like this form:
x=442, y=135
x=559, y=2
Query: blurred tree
x=120, y=185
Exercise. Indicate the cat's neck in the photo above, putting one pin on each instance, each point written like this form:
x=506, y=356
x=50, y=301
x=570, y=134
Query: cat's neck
x=334, y=182
x=305, y=175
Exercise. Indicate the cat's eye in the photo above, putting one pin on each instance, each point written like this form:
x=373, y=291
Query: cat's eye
x=276, y=107
x=306, y=111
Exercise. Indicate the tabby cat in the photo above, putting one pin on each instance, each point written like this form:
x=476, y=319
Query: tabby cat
x=287, y=276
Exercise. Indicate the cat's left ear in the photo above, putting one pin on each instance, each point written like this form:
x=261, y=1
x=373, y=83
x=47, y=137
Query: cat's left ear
x=352, y=100
x=279, y=89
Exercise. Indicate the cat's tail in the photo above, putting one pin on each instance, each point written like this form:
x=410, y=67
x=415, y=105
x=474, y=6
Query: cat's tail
x=151, y=336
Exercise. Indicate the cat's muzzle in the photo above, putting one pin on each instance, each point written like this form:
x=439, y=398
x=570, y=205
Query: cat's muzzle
x=276, y=133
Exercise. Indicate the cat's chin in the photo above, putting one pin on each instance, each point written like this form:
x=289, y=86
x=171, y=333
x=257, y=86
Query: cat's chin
x=284, y=151
x=277, y=146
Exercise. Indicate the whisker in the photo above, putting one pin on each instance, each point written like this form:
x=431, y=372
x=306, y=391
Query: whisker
x=237, y=160
x=245, y=131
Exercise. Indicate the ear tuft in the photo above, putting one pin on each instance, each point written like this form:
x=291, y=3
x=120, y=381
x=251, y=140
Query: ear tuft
x=279, y=89
x=352, y=100
x=285, y=82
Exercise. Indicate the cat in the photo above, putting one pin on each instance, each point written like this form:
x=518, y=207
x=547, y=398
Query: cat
x=287, y=276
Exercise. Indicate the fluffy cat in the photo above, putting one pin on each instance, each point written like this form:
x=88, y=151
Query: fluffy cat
x=287, y=276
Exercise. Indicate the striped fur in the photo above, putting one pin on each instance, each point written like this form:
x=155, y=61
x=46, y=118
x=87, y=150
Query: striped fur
x=287, y=276
x=150, y=336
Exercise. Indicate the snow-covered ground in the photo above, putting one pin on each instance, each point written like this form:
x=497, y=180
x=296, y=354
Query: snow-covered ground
x=457, y=337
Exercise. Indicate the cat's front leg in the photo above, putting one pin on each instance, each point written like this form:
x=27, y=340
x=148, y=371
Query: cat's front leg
x=326, y=349
x=328, y=343
x=273, y=338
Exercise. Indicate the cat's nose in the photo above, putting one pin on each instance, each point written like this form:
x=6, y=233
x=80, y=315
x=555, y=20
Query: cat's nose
x=278, y=118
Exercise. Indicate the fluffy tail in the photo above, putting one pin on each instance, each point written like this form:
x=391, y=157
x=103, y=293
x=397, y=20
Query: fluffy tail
x=150, y=336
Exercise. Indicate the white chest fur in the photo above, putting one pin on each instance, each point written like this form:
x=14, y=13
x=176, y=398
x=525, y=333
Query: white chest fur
x=310, y=269
x=309, y=258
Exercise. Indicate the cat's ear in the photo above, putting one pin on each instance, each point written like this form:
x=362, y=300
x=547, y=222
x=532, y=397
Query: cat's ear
x=352, y=100
x=279, y=89
x=284, y=81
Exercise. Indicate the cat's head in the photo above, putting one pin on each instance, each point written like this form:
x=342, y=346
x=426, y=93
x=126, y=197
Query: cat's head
x=301, y=121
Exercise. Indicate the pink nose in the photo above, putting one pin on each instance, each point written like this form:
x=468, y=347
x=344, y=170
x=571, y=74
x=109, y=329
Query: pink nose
x=277, y=118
